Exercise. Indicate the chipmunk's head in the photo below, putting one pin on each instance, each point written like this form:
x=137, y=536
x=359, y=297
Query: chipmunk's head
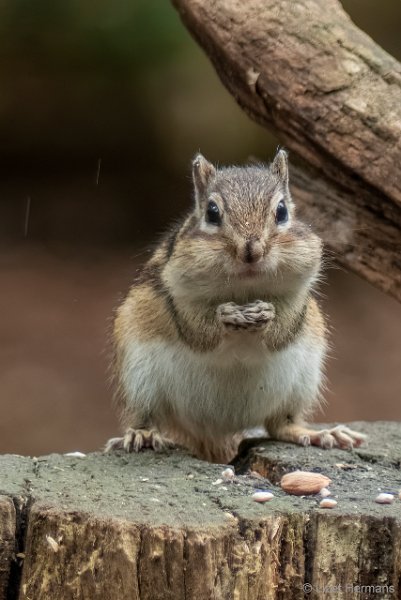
x=243, y=231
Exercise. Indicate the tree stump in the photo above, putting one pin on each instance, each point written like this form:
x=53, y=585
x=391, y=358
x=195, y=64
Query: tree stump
x=159, y=526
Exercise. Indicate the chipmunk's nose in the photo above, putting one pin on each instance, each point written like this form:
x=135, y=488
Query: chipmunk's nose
x=253, y=251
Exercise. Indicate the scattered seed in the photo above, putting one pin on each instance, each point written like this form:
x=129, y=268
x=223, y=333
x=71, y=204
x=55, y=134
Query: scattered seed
x=217, y=482
x=262, y=496
x=190, y=476
x=324, y=492
x=228, y=474
x=75, y=454
x=327, y=503
x=229, y=516
x=384, y=498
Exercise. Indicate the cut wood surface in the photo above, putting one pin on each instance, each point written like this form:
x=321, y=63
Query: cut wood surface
x=333, y=97
x=159, y=526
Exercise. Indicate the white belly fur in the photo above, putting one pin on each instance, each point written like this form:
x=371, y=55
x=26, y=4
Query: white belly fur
x=233, y=388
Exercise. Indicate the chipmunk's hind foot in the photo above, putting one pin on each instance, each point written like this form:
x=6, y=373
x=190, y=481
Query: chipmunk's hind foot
x=135, y=440
x=336, y=437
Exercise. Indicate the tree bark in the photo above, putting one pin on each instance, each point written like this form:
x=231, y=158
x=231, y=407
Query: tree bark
x=7, y=542
x=161, y=527
x=334, y=98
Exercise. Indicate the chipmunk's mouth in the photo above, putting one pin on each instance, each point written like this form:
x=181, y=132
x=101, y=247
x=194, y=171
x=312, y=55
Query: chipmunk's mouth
x=249, y=272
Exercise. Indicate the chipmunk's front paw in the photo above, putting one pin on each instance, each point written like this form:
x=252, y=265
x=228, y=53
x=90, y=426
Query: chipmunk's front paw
x=249, y=317
x=135, y=440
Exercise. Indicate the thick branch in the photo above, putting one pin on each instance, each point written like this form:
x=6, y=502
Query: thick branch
x=334, y=98
x=354, y=225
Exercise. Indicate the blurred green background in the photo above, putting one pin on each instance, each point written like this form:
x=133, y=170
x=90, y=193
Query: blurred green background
x=102, y=106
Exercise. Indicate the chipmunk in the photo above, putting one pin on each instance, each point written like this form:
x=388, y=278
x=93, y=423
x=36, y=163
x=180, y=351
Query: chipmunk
x=221, y=332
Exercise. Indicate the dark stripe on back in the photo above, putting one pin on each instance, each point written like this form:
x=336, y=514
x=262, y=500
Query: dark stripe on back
x=301, y=319
x=171, y=241
x=295, y=330
x=152, y=276
x=248, y=252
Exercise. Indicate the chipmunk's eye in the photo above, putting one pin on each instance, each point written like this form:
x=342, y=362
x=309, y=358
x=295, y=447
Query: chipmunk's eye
x=281, y=213
x=213, y=213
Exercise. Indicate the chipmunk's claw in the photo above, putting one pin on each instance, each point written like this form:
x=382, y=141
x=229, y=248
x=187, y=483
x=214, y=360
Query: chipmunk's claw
x=135, y=440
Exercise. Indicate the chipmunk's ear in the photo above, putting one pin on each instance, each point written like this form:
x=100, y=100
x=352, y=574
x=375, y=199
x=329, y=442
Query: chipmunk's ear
x=202, y=173
x=279, y=166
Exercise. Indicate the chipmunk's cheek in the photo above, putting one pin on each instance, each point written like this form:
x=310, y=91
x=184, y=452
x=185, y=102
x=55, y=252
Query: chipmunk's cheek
x=272, y=260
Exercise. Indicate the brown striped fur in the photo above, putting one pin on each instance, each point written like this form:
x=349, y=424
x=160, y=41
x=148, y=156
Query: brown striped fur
x=236, y=295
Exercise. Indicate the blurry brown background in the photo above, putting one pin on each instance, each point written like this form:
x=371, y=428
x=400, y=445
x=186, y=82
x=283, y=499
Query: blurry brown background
x=102, y=106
